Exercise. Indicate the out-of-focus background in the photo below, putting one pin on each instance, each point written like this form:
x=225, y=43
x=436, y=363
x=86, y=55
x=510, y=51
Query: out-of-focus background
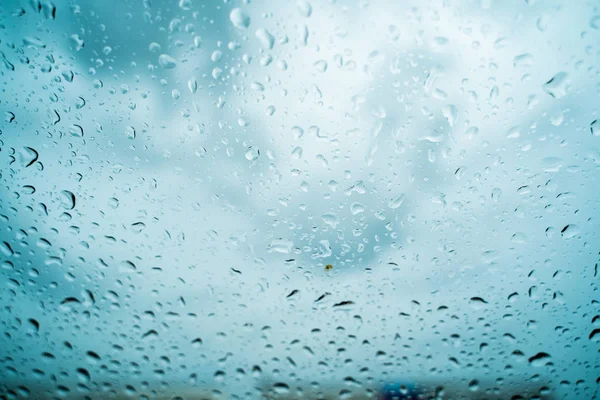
x=299, y=199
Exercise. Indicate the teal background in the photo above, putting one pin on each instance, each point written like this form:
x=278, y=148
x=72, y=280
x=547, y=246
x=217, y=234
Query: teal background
x=447, y=152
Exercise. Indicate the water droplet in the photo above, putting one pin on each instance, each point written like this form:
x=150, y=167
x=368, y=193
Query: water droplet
x=570, y=231
x=280, y=246
x=130, y=132
x=513, y=132
x=193, y=85
x=83, y=375
x=28, y=189
x=357, y=208
x=477, y=302
x=519, y=238
x=297, y=153
x=595, y=127
x=67, y=199
x=321, y=66
x=523, y=60
x=217, y=72
x=266, y=39
x=127, y=267
x=304, y=8
x=185, y=4
x=34, y=324
x=166, y=61
x=77, y=42
x=138, y=227
x=28, y=156
x=551, y=164
x=252, y=153
x=540, y=359
x=154, y=47
x=330, y=219
x=33, y=41
x=450, y=112
x=558, y=85
x=239, y=18
x=474, y=385
x=345, y=305
x=216, y=56
x=76, y=130
x=281, y=388
x=93, y=357
x=396, y=202
x=297, y=132
x=6, y=249
x=243, y=122
x=7, y=64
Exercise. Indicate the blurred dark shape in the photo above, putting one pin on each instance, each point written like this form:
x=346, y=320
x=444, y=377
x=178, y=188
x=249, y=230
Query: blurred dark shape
x=400, y=391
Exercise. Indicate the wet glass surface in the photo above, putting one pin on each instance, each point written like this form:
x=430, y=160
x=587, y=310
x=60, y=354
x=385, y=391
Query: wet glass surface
x=326, y=199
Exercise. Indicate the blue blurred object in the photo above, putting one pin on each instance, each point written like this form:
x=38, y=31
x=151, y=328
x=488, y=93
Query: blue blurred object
x=400, y=391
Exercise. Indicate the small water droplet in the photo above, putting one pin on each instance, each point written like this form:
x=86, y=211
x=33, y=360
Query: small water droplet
x=77, y=42
x=76, y=130
x=304, y=8
x=28, y=156
x=67, y=199
x=185, y=4
x=450, y=112
x=130, y=132
x=239, y=18
x=477, y=302
x=570, y=231
x=193, y=85
x=540, y=359
x=281, y=388
x=551, y=164
x=558, y=85
x=396, y=202
x=166, y=61
x=321, y=66
x=252, y=153
x=474, y=385
x=266, y=39
x=595, y=127
x=33, y=41
x=280, y=246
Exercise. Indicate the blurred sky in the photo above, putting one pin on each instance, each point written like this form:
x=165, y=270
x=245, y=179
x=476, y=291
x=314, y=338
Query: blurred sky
x=432, y=152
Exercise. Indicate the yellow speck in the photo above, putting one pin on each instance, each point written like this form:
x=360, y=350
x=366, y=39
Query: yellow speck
x=328, y=267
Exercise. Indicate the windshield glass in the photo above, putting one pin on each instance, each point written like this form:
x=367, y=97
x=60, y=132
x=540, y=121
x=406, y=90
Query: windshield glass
x=348, y=199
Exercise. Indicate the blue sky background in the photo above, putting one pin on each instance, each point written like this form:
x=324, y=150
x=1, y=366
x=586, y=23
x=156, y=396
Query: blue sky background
x=433, y=152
